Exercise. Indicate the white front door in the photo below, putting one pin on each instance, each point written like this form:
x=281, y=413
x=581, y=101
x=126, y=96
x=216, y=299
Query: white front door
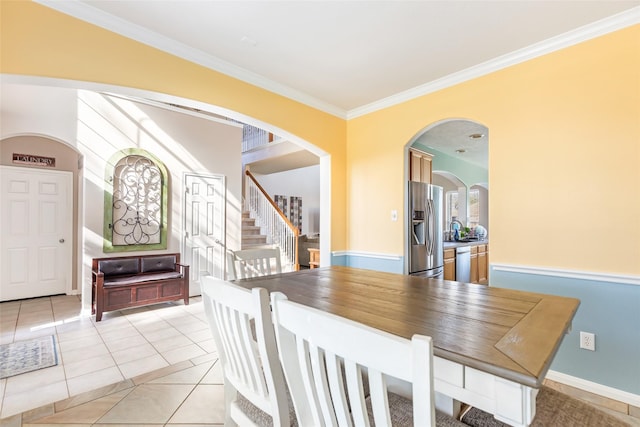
x=35, y=232
x=204, y=227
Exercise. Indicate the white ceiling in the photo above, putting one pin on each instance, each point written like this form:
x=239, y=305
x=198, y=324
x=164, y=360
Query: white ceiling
x=351, y=57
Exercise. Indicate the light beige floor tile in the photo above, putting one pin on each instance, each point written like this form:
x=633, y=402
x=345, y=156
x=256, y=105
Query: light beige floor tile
x=149, y=324
x=93, y=364
x=84, y=342
x=634, y=411
x=56, y=425
x=126, y=425
x=126, y=343
x=209, y=346
x=148, y=403
x=20, y=402
x=172, y=343
x=200, y=335
x=130, y=354
x=74, y=324
x=34, y=332
x=209, y=357
x=183, y=353
x=34, y=380
x=13, y=421
x=142, y=366
x=120, y=333
x=79, y=354
x=186, y=376
x=110, y=320
x=76, y=334
x=88, y=413
x=162, y=334
x=94, y=380
x=191, y=326
x=214, y=376
x=6, y=337
x=204, y=405
x=92, y=395
x=162, y=372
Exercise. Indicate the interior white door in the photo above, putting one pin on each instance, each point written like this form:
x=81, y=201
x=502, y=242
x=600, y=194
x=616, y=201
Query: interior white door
x=204, y=227
x=35, y=232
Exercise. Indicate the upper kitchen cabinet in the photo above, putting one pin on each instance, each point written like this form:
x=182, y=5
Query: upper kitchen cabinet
x=420, y=166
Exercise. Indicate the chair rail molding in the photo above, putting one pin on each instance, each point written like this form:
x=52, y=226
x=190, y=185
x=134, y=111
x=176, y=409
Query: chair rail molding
x=569, y=274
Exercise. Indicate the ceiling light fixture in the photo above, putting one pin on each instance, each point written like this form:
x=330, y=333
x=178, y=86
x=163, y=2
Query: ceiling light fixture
x=476, y=135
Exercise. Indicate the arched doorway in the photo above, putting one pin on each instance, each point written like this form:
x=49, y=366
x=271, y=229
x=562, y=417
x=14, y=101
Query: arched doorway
x=49, y=240
x=458, y=149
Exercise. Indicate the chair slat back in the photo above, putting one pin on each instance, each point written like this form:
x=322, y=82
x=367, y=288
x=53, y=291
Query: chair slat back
x=249, y=356
x=318, y=350
x=249, y=263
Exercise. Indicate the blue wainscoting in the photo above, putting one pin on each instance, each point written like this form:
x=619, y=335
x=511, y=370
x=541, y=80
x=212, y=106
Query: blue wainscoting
x=369, y=261
x=609, y=308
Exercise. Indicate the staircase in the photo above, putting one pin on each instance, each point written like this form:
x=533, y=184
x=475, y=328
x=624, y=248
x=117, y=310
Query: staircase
x=251, y=237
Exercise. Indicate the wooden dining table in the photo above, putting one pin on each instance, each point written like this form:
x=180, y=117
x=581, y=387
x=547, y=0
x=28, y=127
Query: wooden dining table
x=492, y=346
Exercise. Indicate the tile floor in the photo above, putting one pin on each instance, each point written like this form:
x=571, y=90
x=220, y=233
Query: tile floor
x=131, y=350
x=150, y=366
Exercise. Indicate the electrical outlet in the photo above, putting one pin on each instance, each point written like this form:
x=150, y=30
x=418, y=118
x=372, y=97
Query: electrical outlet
x=588, y=341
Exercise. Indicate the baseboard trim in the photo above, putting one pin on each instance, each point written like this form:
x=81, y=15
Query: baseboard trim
x=569, y=274
x=595, y=388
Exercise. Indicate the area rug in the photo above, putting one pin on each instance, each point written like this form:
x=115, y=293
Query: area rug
x=26, y=356
x=552, y=409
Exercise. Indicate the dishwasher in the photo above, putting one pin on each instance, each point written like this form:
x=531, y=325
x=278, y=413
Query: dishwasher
x=463, y=264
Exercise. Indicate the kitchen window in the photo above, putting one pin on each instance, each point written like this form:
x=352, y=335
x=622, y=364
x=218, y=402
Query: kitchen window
x=451, y=208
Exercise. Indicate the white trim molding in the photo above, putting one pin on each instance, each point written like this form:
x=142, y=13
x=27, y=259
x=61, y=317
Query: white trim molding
x=569, y=274
x=595, y=388
x=88, y=13
x=570, y=38
x=373, y=255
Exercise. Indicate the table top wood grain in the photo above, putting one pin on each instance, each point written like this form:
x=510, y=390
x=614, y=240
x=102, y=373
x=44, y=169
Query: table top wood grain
x=508, y=333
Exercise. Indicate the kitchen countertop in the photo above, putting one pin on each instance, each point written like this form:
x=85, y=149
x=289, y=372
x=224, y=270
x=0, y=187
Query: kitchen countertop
x=455, y=244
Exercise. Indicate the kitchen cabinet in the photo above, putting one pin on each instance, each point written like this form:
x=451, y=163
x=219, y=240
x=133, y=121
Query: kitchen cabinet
x=483, y=264
x=478, y=264
x=474, y=264
x=420, y=166
x=449, y=264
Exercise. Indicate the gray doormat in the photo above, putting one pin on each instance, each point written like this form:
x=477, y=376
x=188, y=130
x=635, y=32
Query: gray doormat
x=26, y=356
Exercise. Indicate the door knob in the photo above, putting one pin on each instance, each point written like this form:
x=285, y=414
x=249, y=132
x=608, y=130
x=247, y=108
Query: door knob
x=61, y=240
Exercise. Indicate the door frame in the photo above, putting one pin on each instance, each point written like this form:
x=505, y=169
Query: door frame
x=183, y=230
x=68, y=288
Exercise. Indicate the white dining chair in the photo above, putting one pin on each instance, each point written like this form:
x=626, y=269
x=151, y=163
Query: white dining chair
x=247, y=263
x=323, y=357
x=240, y=321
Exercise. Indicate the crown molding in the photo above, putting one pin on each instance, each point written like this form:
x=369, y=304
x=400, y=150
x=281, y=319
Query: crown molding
x=579, y=35
x=109, y=22
x=94, y=16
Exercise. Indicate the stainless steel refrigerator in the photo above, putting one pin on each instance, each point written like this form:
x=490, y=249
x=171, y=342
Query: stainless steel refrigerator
x=425, y=230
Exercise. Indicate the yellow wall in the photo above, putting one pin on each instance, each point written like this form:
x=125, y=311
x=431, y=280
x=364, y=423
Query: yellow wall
x=563, y=129
x=37, y=41
x=564, y=158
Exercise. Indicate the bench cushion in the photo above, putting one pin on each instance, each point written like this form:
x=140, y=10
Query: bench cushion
x=158, y=263
x=141, y=278
x=118, y=267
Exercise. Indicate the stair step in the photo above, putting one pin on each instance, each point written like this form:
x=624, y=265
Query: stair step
x=250, y=230
x=254, y=238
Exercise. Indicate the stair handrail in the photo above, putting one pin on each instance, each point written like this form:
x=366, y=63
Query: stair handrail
x=289, y=249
